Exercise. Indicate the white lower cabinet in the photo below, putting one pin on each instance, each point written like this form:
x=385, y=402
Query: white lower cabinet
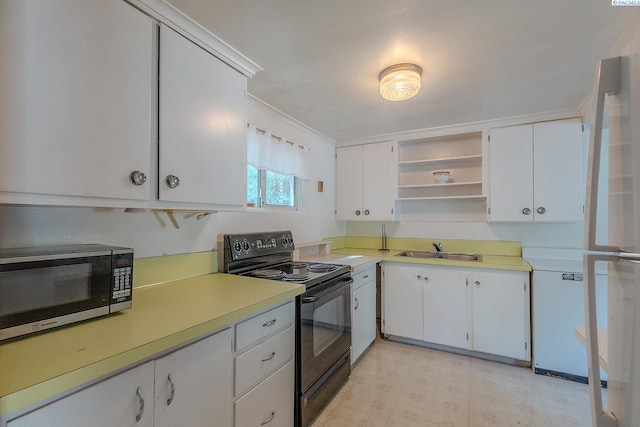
x=445, y=307
x=501, y=313
x=264, y=369
x=193, y=385
x=270, y=403
x=115, y=402
x=481, y=310
x=197, y=385
x=363, y=312
x=402, y=300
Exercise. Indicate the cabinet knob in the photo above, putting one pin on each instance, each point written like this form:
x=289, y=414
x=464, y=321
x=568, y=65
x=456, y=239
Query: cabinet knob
x=426, y=278
x=526, y=211
x=172, y=181
x=358, y=213
x=366, y=212
x=477, y=283
x=137, y=177
x=419, y=277
x=541, y=210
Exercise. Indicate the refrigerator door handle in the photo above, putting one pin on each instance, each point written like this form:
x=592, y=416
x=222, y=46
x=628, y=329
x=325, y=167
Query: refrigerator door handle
x=600, y=417
x=629, y=256
x=607, y=82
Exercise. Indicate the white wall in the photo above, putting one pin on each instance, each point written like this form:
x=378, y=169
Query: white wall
x=152, y=234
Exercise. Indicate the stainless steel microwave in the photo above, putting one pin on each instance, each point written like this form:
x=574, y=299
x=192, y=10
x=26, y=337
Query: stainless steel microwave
x=46, y=287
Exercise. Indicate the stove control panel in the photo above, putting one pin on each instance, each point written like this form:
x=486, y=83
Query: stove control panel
x=243, y=246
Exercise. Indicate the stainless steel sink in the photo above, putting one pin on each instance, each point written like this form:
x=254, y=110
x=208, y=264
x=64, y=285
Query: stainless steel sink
x=454, y=256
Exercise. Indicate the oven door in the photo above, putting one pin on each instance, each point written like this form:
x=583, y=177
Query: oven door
x=325, y=328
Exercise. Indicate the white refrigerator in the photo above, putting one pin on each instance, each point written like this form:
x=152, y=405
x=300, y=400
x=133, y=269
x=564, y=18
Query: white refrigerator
x=617, y=111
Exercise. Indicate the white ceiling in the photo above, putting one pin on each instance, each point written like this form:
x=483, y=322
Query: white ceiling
x=482, y=59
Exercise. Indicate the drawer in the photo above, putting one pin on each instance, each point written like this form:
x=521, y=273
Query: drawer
x=270, y=403
x=363, y=277
x=264, y=359
x=261, y=326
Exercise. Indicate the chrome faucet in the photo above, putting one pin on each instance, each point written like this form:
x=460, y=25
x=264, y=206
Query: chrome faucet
x=438, y=246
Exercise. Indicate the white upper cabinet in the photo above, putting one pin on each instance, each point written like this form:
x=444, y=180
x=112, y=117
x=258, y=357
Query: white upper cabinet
x=536, y=172
x=202, y=140
x=76, y=80
x=365, y=186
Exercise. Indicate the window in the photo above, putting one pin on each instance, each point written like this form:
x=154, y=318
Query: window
x=272, y=190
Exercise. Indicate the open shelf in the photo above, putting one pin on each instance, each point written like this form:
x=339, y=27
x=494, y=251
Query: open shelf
x=460, y=154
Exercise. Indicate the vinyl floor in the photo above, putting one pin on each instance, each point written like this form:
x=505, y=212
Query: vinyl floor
x=403, y=385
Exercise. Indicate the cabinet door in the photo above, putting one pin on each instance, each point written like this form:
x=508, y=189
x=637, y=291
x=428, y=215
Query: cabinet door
x=202, y=125
x=501, y=313
x=445, y=307
x=75, y=111
x=377, y=182
x=112, y=403
x=511, y=174
x=557, y=170
x=349, y=183
x=402, y=300
x=363, y=319
x=202, y=384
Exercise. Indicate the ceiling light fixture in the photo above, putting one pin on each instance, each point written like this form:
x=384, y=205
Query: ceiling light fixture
x=399, y=82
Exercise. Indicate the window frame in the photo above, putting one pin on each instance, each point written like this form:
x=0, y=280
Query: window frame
x=261, y=203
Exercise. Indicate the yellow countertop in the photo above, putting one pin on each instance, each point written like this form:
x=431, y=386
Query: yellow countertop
x=498, y=262
x=163, y=316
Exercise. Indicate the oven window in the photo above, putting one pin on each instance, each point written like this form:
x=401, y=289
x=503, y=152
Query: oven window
x=33, y=289
x=328, y=324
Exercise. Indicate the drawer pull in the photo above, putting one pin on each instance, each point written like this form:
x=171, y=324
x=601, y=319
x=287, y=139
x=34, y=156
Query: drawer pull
x=366, y=276
x=266, y=325
x=173, y=389
x=269, y=357
x=141, y=402
x=268, y=420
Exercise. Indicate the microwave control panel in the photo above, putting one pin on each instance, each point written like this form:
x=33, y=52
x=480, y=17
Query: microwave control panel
x=122, y=265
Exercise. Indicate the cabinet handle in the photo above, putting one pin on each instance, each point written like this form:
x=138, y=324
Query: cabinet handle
x=173, y=389
x=366, y=212
x=526, y=211
x=541, y=210
x=356, y=307
x=358, y=213
x=268, y=420
x=477, y=283
x=141, y=401
x=365, y=277
x=266, y=325
x=172, y=181
x=269, y=357
x=137, y=177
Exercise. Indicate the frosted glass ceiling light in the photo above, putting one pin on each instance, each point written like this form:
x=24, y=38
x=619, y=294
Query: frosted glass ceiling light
x=399, y=82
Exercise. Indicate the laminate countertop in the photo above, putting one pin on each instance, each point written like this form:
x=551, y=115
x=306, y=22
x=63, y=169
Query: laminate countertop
x=498, y=262
x=163, y=317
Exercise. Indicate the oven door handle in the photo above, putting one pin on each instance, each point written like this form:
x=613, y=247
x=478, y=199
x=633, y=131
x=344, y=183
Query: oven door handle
x=313, y=298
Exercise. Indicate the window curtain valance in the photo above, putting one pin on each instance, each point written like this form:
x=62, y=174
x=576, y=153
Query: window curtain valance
x=276, y=153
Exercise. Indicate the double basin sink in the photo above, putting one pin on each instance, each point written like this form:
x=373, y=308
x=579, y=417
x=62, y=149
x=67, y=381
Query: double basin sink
x=454, y=256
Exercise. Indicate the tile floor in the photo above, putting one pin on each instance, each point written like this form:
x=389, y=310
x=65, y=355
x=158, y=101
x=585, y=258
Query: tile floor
x=403, y=385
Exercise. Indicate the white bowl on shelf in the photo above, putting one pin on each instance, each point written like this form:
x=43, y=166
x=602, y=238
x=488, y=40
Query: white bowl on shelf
x=441, y=177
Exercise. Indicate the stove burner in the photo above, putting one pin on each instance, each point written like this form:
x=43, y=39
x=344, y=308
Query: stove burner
x=295, y=277
x=268, y=274
x=321, y=268
x=296, y=264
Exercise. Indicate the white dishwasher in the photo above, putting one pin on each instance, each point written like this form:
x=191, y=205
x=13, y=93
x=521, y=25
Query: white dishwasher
x=557, y=307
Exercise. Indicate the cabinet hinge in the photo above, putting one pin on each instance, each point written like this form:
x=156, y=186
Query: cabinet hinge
x=525, y=346
x=391, y=211
x=467, y=283
x=489, y=211
x=467, y=336
x=392, y=148
x=583, y=127
x=525, y=287
x=489, y=138
x=336, y=212
x=583, y=209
